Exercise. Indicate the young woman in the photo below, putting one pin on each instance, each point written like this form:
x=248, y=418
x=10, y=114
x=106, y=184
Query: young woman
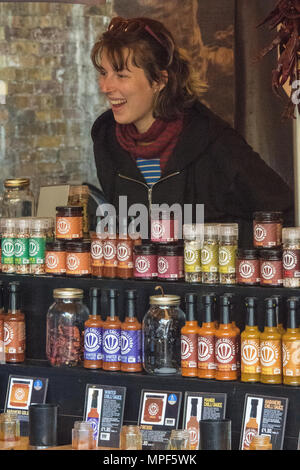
x=159, y=144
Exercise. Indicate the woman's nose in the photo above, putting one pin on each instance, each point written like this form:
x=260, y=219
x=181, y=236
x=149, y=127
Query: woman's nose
x=106, y=84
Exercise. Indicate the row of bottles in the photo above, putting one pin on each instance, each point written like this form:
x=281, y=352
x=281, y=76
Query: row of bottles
x=219, y=351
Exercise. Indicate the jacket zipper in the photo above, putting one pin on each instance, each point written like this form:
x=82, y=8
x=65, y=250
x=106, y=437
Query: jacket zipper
x=147, y=187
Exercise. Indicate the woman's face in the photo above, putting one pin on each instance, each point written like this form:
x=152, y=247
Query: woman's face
x=129, y=93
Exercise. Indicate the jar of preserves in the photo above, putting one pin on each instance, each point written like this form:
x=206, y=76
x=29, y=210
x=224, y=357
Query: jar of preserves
x=55, y=258
x=8, y=233
x=267, y=229
x=162, y=335
x=271, y=268
x=247, y=267
x=78, y=258
x=145, y=261
x=18, y=200
x=170, y=262
x=69, y=223
x=65, y=327
x=21, y=245
x=37, y=245
x=291, y=256
x=210, y=254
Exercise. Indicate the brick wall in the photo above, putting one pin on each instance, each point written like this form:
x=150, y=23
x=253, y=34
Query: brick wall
x=49, y=96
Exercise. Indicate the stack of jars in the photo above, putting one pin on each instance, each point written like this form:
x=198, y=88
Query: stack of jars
x=23, y=242
x=210, y=253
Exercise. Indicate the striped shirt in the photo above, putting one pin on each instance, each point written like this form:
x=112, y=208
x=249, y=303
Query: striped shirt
x=150, y=169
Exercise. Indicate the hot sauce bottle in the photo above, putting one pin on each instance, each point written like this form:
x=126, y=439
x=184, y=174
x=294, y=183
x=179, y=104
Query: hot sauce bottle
x=189, y=338
x=93, y=333
x=278, y=312
x=291, y=346
x=14, y=327
x=2, y=318
x=251, y=428
x=124, y=251
x=226, y=344
x=250, y=345
x=238, y=331
x=93, y=416
x=111, y=335
x=206, y=340
x=131, y=336
x=193, y=425
x=270, y=347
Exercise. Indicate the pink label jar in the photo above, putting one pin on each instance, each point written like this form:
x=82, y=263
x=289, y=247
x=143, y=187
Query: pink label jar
x=170, y=262
x=271, y=268
x=145, y=261
x=164, y=228
x=267, y=229
x=248, y=267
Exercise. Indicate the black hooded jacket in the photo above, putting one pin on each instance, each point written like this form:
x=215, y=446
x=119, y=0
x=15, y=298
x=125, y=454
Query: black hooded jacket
x=211, y=165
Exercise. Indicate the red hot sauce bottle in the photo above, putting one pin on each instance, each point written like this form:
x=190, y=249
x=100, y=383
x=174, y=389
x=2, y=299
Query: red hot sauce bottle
x=14, y=327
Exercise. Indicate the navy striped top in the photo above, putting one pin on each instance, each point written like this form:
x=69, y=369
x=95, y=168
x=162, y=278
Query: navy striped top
x=150, y=169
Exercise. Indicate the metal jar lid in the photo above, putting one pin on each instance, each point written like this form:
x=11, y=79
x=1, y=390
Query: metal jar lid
x=68, y=293
x=16, y=182
x=164, y=299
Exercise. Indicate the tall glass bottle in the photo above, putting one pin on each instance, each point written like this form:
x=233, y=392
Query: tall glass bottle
x=131, y=336
x=226, y=344
x=93, y=416
x=250, y=345
x=189, y=337
x=193, y=425
x=232, y=301
x=112, y=334
x=270, y=347
x=279, y=313
x=93, y=333
x=251, y=428
x=291, y=346
x=206, y=339
x=14, y=327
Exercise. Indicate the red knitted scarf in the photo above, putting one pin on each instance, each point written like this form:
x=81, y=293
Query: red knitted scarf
x=162, y=137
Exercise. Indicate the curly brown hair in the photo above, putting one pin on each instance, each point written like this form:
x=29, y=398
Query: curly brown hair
x=151, y=47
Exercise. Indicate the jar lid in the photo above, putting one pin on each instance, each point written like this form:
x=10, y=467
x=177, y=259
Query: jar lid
x=39, y=223
x=56, y=245
x=22, y=223
x=212, y=230
x=290, y=233
x=68, y=293
x=145, y=249
x=193, y=231
x=78, y=246
x=68, y=210
x=252, y=253
x=7, y=222
x=271, y=254
x=16, y=182
x=229, y=230
x=262, y=216
x=164, y=299
x=170, y=249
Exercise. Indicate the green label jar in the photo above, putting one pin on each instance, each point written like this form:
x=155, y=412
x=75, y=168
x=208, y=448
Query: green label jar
x=21, y=248
x=7, y=251
x=37, y=247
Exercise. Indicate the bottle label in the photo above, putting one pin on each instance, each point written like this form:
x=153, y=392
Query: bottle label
x=210, y=258
x=189, y=350
x=7, y=251
x=291, y=358
x=145, y=266
x=95, y=426
x=97, y=253
x=93, y=344
x=291, y=263
x=250, y=356
x=37, y=250
x=68, y=227
x=226, y=354
x=248, y=271
x=164, y=230
x=227, y=259
x=192, y=259
x=110, y=253
x=271, y=273
x=266, y=235
x=131, y=346
x=21, y=250
x=55, y=261
x=111, y=345
x=248, y=436
x=124, y=254
x=14, y=337
x=170, y=267
x=206, y=352
x=78, y=263
x=270, y=357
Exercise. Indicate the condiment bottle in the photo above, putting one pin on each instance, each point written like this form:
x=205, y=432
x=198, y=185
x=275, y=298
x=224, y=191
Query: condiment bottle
x=192, y=425
x=279, y=313
x=93, y=416
x=226, y=344
x=291, y=346
x=262, y=442
x=291, y=256
x=228, y=244
x=14, y=327
x=124, y=251
x=206, y=340
x=93, y=333
x=37, y=245
x=79, y=196
x=193, y=239
x=251, y=428
x=21, y=245
x=250, y=345
x=210, y=254
x=270, y=347
x=111, y=335
x=7, y=245
x=131, y=336
x=189, y=337
x=236, y=328
x=2, y=318
x=109, y=247
x=97, y=261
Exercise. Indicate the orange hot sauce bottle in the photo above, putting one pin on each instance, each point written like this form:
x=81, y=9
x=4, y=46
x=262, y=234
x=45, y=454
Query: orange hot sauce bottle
x=238, y=331
x=93, y=333
x=250, y=345
x=189, y=338
x=124, y=250
x=111, y=335
x=2, y=318
x=270, y=347
x=226, y=344
x=251, y=428
x=291, y=346
x=278, y=311
x=192, y=425
x=131, y=336
x=14, y=327
x=206, y=340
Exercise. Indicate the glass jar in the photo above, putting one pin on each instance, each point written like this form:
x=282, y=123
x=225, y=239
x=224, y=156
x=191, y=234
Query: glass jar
x=18, y=200
x=55, y=258
x=210, y=254
x=228, y=244
x=261, y=442
x=247, y=267
x=21, y=246
x=193, y=240
x=267, y=229
x=37, y=245
x=68, y=224
x=164, y=227
x=65, y=327
x=8, y=233
x=78, y=258
x=131, y=438
x=145, y=261
x=9, y=427
x=271, y=268
x=79, y=196
x=162, y=335
x=291, y=256
x=170, y=262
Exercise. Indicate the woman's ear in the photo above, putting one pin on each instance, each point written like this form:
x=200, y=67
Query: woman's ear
x=163, y=81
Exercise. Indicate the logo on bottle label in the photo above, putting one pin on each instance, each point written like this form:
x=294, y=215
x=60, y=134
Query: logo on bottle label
x=96, y=250
x=73, y=262
x=51, y=260
x=190, y=256
x=249, y=353
x=142, y=264
x=249, y=434
x=109, y=250
x=246, y=269
x=224, y=256
x=259, y=233
x=187, y=347
x=268, y=270
x=92, y=339
x=225, y=350
x=157, y=230
x=63, y=226
x=289, y=260
x=123, y=252
x=111, y=341
x=153, y=409
x=269, y=353
x=126, y=342
x=20, y=248
x=8, y=247
x=162, y=265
